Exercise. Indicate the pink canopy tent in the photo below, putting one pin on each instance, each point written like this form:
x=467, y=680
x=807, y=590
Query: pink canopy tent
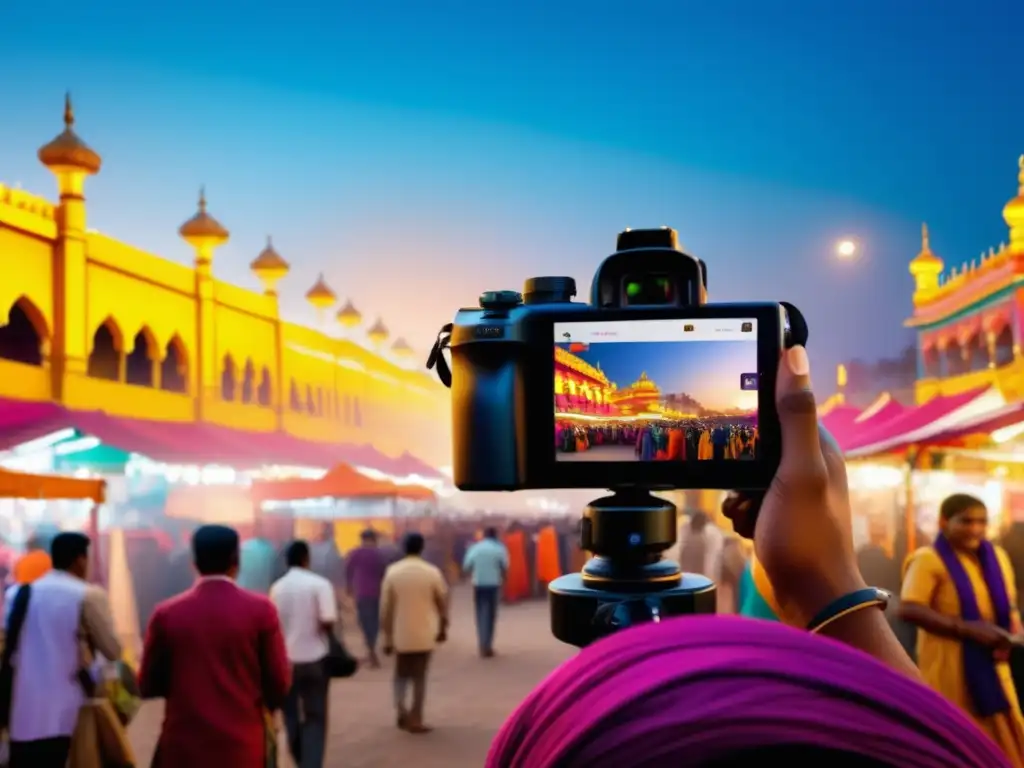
x=193, y=442
x=926, y=422
x=838, y=419
x=882, y=411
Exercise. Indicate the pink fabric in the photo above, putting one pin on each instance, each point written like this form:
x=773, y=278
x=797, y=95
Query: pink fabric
x=847, y=434
x=696, y=690
x=910, y=420
x=191, y=442
x=838, y=420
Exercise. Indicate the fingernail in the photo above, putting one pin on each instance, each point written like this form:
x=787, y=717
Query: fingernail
x=796, y=359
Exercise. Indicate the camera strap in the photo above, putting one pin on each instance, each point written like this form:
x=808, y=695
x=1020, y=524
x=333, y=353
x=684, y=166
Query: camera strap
x=436, y=359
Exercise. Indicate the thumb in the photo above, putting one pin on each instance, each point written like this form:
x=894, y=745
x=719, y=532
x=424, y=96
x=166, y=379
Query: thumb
x=798, y=415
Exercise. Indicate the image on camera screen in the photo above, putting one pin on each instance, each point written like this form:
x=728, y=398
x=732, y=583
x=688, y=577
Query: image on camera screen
x=656, y=390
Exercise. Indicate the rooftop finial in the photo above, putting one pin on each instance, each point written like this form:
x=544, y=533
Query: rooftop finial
x=925, y=245
x=70, y=112
x=202, y=199
x=1020, y=174
x=270, y=241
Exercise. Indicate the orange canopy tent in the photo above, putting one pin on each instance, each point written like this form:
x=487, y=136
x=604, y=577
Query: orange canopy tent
x=20, y=485
x=342, y=482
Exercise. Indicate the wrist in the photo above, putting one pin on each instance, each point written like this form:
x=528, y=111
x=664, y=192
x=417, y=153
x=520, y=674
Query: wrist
x=805, y=597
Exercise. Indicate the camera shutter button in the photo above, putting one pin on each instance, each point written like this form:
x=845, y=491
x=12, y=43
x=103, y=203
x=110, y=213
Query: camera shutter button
x=500, y=299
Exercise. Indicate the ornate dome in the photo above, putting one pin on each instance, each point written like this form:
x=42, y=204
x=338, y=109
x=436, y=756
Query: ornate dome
x=378, y=332
x=644, y=384
x=202, y=226
x=69, y=151
x=320, y=295
x=270, y=262
x=1013, y=212
x=925, y=262
x=349, y=316
x=401, y=347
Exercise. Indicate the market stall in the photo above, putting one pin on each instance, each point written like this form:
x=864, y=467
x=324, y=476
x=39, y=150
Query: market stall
x=22, y=485
x=347, y=499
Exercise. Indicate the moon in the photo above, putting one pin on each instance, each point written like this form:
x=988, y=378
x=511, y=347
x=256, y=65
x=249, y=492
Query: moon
x=846, y=249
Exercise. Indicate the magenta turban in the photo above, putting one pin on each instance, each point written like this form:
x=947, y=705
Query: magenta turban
x=694, y=691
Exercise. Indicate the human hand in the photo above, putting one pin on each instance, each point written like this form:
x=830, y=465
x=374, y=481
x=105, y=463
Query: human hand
x=988, y=635
x=442, y=636
x=803, y=532
x=388, y=648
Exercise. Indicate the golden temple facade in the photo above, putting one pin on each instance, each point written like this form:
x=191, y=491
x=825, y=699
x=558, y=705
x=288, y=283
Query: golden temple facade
x=969, y=320
x=96, y=324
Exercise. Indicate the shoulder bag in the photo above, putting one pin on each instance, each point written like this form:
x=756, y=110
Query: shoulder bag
x=12, y=637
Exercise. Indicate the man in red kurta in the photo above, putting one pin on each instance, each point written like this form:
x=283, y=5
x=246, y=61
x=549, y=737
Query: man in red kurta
x=216, y=653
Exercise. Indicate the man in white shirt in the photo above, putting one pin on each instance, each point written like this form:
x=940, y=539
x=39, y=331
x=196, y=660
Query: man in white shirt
x=49, y=687
x=307, y=608
x=487, y=562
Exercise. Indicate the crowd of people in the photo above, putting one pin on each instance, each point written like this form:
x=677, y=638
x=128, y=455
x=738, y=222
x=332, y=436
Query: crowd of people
x=827, y=680
x=663, y=440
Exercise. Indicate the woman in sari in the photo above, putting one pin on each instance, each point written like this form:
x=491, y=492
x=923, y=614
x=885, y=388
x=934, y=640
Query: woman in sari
x=961, y=594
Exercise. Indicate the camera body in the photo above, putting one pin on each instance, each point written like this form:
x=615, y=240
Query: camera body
x=503, y=373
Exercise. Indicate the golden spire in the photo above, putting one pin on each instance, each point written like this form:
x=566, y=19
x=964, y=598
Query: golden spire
x=202, y=229
x=378, y=332
x=69, y=111
x=1013, y=213
x=349, y=316
x=926, y=262
x=401, y=348
x=269, y=266
x=320, y=295
x=67, y=152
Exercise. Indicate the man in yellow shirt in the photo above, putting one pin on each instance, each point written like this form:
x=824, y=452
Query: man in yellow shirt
x=414, y=619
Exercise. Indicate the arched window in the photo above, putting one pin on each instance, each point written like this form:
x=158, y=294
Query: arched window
x=174, y=368
x=263, y=395
x=227, y=379
x=1004, y=346
x=248, y=381
x=105, y=357
x=357, y=413
x=294, y=398
x=138, y=368
x=310, y=402
x=955, y=363
x=21, y=339
x=979, y=353
x=320, y=401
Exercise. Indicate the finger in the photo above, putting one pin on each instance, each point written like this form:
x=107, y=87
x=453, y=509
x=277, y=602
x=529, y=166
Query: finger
x=834, y=461
x=798, y=417
x=741, y=510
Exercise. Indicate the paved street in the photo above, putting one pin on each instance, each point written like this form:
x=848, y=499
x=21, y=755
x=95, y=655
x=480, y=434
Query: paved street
x=468, y=698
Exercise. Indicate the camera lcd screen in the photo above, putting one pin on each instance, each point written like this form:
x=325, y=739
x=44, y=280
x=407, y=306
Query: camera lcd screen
x=656, y=390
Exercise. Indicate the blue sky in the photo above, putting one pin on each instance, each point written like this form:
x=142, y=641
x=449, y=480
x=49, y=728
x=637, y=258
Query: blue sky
x=420, y=153
x=708, y=371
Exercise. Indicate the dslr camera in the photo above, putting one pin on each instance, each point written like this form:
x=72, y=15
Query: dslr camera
x=647, y=388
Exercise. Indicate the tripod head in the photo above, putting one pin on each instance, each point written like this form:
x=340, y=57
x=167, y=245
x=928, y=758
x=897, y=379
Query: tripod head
x=626, y=581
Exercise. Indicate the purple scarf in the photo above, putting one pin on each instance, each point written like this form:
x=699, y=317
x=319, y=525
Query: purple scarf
x=983, y=685
x=697, y=690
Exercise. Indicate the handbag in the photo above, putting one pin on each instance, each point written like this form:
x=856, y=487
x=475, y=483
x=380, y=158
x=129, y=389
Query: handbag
x=13, y=636
x=339, y=662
